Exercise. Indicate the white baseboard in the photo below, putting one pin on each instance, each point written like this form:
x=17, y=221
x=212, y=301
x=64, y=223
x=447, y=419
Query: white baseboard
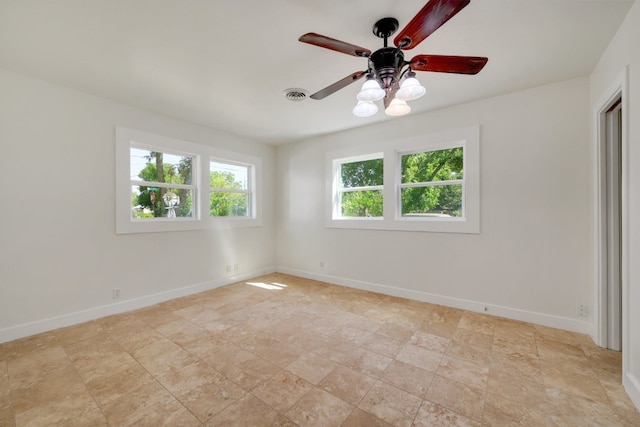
x=45, y=325
x=543, y=319
x=631, y=384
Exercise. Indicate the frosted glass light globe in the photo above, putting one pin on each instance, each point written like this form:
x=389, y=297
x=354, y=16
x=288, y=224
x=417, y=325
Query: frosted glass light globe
x=410, y=89
x=371, y=91
x=398, y=107
x=365, y=109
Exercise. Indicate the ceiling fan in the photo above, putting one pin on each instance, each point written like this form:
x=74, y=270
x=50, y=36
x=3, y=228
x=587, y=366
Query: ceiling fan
x=387, y=66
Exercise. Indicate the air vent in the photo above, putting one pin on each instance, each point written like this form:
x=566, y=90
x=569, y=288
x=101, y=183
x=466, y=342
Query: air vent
x=295, y=94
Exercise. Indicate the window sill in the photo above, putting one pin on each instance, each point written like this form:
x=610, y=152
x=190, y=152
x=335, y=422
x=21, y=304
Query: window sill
x=435, y=225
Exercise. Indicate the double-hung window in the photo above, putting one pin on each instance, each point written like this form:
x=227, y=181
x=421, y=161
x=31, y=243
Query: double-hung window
x=425, y=183
x=359, y=187
x=432, y=183
x=165, y=184
x=162, y=184
x=230, y=188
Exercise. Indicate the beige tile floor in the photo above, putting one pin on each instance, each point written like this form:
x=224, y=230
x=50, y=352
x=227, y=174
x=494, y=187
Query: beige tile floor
x=286, y=351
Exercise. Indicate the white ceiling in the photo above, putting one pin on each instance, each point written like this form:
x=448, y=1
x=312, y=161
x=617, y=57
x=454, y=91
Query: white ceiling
x=225, y=64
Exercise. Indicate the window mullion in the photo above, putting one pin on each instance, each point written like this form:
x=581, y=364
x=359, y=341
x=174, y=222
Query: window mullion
x=163, y=185
x=431, y=183
x=366, y=188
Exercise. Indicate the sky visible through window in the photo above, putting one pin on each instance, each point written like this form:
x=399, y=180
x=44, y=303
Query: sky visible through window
x=140, y=160
x=240, y=172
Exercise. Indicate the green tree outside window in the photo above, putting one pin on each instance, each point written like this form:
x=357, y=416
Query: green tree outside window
x=426, y=171
x=362, y=174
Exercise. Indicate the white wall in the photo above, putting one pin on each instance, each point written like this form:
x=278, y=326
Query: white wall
x=60, y=257
x=623, y=52
x=532, y=259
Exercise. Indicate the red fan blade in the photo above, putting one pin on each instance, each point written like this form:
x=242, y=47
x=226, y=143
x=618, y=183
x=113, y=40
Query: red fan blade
x=448, y=64
x=333, y=44
x=431, y=17
x=321, y=94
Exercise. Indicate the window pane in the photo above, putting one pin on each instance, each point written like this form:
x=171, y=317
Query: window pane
x=439, y=165
x=158, y=202
x=145, y=165
x=229, y=204
x=362, y=204
x=362, y=174
x=225, y=175
x=444, y=200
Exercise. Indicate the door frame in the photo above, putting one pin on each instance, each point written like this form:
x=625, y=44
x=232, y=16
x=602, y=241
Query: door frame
x=619, y=90
x=614, y=227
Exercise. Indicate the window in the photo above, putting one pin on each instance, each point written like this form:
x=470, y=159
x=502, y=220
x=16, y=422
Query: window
x=161, y=185
x=427, y=183
x=431, y=183
x=230, y=193
x=359, y=187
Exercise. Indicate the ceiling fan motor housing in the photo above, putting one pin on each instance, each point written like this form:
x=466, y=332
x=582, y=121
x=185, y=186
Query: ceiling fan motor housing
x=387, y=63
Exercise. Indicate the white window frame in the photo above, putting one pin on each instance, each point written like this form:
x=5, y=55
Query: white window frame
x=339, y=189
x=247, y=192
x=200, y=220
x=468, y=138
x=193, y=186
x=400, y=185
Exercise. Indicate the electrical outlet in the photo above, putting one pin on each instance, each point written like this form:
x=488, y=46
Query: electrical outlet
x=322, y=265
x=228, y=269
x=116, y=294
x=581, y=310
x=235, y=267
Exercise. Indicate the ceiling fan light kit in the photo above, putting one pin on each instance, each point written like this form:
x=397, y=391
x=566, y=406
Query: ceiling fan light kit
x=410, y=88
x=365, y=109
x=387, y=66
x=397, y=107
x=371, y=90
